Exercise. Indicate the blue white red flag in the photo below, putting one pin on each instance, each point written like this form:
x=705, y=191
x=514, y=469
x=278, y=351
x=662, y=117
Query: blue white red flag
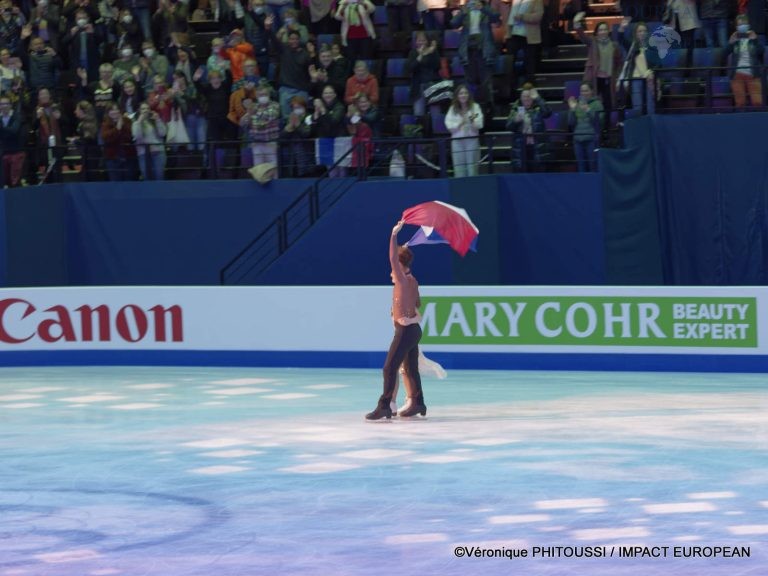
x=442, y=223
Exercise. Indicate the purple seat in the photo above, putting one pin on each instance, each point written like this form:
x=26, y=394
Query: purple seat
x=401, y=96
x=396, y=69
x=572, y=89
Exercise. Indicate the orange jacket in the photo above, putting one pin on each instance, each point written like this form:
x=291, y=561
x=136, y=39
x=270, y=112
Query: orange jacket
x=369, y=87
x=237, y=56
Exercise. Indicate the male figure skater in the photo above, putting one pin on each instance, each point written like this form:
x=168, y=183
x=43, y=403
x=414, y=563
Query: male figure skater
x=405, y=343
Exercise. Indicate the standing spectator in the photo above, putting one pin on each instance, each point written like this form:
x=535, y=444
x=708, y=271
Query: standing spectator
x=87, y=138
x=294, y=77
x=362, y=82
x=524, y=33
x=328, y=120
x=433, y=14
x=216, y=96
x=400, y=14
x=129, y=33
x=257, y=35
x=230, y=15
x=477, y=51
x=605, y=59
x=11, y=23
x=131, y=98
x=423, y=64
x=42, y=65
x=369, y=114
x=320, y=16
x=526, y=120
x=171, y=17
x=44, y=22
x=261, y=126
x=49, y=129
x=218, y=59
x=160, y=100
x=11, y=144
x=149, y=135
x=83, y=41
x=109, y=14
x=188, y=100
x=123, y=67
x=250, y=70
x=185, y=63
x=638, y=69
x=357, y=30
x=747, y=52
x=102, y=92
x=119, y=151
x=584, y=119
x=683, y=15
x=291, y=24
x=151, y=65
x=140, y=10
x=238, y=51
x=714, y=21
x=464, y=121
x=241, y=100
x=295, y=135
x=757, y=12
x=278, y=9
x=327, y=71
x=362, y=136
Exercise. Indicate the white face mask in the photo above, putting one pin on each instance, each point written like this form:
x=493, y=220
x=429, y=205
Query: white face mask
x=263, y=99
x=127, y=53
x=149, y=52
x=299, y=111
x=82, y=22
x=127, y=19
x=355, y=119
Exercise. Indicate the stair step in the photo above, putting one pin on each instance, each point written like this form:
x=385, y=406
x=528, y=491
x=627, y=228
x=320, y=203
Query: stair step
x=556, y=79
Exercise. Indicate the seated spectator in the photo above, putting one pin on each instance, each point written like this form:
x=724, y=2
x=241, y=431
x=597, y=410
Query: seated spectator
x=160, y=100
x=296, y=147
x=11, y=145
x=119, y=151
x=294, y=69
x=327, y=71
x=149, y=132
x=151, y=65
x=423, y=64
x=216, y=96
x=526, y=120
x=129, y=32
x=11, y=23
x=44, y=22
x=131, y=97
x=218, y=59
x=477, y=51
x=746, y=51
x=238, y=51
x=257, y=35
x=83, y=40
x=524, y=33
x=42, y=64
x=357, y=29
x=584, y=118
x=87, y=138
x=102, y=92
x=362, y=82
x=464, y=121
x=261, y=127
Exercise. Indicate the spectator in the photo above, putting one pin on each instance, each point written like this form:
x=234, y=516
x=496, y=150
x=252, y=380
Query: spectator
x=49, y=129
x=714, y=21
x=584, y=119
x=294, y=77
x=362, y=136
x=464, y=121
x=295, y=135
x=369, y=114
x=327, y=71
x=433, y=14
x=216, y=95
x=109, y=14
x=756, y=12
x=278, y=9
x=131, y=98
x=171, y=17
x=526, y=120
x=319, y=13
x=400, y=15
x=238, y=51
x=291, y=24
x=140, y=10
x=82, y=41
x=102, y=92
x=11, y=23
x=9, y=70
x=423, y=64
x=524, y=32
x=261, y=126
x=186, y=98
x=11, y=144
x=125, y=66
x=604, y=61
x=129, y=33
x=477, y=51
x=149, y=135
x=257, y=35
x=160, y=100
x=43, y=22
x=230, y=15
x=328, y=120
x=362, y=82
x=119, y=151
x=250, y=70
x=42, y=65
x=747, y=51
x=185, y=63
x=241, y=100
x=218, y=59
x=638, y=69
x=151, y=65
x=683, y=15
x=86, y=138
x=357, y=30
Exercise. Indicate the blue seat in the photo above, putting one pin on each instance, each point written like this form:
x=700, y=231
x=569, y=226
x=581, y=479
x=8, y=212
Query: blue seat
x=553, y=122
x=707, y=57
x=438, y=123
x=572, y=89
x=675, y=58
x=457, y=70
x=396, y=69
x=380, y=16
x=401, y=96
x=451, y=39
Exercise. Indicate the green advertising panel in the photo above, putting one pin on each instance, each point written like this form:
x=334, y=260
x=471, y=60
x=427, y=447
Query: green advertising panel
x=591, y=321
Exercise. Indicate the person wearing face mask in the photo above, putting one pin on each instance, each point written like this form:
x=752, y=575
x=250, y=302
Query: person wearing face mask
x=295, y=145
x=151, y=64
x=745, y=49
x=129, y=34
x=604, y=62
x=124, y=65
x=82, y=40
x=291, y=24
x=261, y=127
x=42, y=65
x=526, y=120
x=256, y=33
x=44, y=23
x=119, y=151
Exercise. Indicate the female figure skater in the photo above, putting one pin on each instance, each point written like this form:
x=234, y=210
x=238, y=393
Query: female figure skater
x=405, y=343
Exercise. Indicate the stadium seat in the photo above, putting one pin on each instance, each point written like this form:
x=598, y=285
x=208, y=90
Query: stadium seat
x=457, y=70
x=401, y=96
x=451, y=39
x=572, y=89
x=707, y=58
x=396, y=69
x=380, y=16
x=438, y=124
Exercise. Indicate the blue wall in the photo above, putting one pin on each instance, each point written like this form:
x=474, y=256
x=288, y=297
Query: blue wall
x=535, y=229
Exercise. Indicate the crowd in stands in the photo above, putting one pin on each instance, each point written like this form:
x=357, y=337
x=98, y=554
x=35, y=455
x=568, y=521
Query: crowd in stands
x=131, y=84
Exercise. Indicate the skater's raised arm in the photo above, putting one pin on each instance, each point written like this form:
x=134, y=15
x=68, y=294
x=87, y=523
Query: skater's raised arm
x=397, y=271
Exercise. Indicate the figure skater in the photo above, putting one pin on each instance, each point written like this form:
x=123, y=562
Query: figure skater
x=405, y=343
